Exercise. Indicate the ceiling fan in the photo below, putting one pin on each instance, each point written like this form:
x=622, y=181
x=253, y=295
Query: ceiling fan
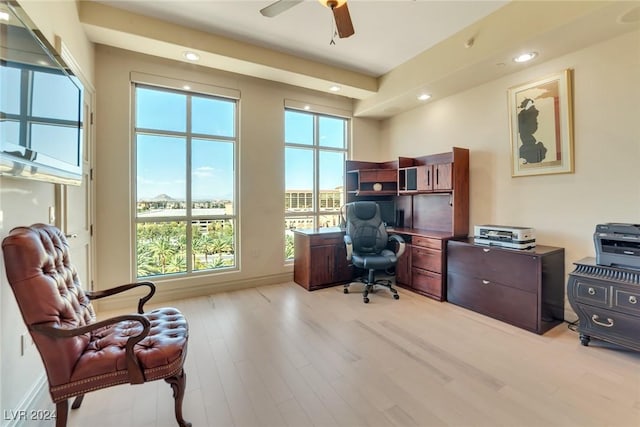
x=339, y=8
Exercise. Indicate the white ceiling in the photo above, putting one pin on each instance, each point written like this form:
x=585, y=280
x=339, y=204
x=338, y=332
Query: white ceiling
x=401, y=48
x=387, y=33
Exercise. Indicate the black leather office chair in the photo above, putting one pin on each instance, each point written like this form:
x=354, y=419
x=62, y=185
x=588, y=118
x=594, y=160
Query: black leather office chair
x=367, y=240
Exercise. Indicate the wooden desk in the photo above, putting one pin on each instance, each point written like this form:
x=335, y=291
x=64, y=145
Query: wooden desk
x=321, y=260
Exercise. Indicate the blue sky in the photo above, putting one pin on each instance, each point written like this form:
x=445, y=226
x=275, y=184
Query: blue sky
x=162, y=162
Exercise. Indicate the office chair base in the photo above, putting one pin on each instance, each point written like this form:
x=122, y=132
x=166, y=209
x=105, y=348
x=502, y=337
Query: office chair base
x=370, y=288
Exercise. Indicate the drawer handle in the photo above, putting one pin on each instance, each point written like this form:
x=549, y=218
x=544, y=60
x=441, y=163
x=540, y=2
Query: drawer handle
x=591, y=291
x=606, y=325
x=633, y=299
x=485, y=282
x=486, y=250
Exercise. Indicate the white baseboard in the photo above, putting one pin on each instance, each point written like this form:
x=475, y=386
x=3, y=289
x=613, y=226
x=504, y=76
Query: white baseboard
x=34, y=404
x=173, y=293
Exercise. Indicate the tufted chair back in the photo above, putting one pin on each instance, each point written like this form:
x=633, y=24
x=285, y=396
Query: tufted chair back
x=48, y=291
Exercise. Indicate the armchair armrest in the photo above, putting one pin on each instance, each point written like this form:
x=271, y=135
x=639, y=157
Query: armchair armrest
x=401, y=244
x=349, y=244
x=118, y=289
x=133, y=366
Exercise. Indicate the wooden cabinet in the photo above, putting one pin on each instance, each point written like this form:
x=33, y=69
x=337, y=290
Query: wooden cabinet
x=607, y=302
x=522, y=287
x=320, y=258
x=442, y=177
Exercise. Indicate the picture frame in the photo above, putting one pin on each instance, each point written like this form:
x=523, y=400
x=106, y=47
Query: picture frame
x=541, y=126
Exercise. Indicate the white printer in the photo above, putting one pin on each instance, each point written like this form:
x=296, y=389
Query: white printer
x=505, y=236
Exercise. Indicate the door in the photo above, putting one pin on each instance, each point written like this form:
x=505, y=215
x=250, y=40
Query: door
x=75, y=203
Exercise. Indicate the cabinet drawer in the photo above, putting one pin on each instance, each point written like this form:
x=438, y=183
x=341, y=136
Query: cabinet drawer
x=426, y=281
x=591, y=293
x=328, y=239
x=627, y=301
x=609, y=325
x=426, y=242
x=495, y=265
x=493, y=299
x=427, y=259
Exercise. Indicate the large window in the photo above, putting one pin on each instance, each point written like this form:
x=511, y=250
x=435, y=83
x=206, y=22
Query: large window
x=185, y=147
x=315, y=151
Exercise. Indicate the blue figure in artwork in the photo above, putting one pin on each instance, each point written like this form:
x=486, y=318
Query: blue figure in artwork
x=531, y=151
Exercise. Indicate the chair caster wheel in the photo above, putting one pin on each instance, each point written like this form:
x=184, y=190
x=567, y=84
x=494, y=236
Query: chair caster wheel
x=366, y=300
x=346, y=291
x=396, y=296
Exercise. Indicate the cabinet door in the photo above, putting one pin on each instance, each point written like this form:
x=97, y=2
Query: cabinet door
x=342, y=270
x=322, y=265
x=442, y=176
x=424, y=178
x=403, y=267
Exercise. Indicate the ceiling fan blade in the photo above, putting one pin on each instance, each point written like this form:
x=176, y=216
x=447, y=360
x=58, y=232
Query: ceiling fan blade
x=343, y=21
x=276, y=8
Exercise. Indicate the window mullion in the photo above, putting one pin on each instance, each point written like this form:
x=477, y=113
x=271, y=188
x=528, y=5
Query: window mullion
x=189, y=230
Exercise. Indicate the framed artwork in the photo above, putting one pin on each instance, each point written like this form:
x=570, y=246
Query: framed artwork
x=541, y=124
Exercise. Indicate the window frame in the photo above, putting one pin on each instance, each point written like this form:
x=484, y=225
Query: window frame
x=196, y=90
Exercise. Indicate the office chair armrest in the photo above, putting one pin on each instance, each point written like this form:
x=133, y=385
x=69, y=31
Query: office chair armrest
x=118, y=289
x=133, y=366
x=349, y=244
x=401, y=244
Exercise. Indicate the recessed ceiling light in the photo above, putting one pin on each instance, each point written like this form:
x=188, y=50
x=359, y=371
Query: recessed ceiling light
x=307, y=107
x=335, y=88
x=4, y=16
x=191, y=56
x=525, y=57
x=186, y=87
x=424, y=96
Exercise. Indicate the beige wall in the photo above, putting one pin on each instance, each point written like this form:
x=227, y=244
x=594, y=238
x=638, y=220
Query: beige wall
x=563, y=209
x=261, y=170
x=24, y=202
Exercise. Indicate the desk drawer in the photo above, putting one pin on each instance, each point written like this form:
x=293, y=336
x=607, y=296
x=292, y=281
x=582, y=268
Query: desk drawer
x=519, y=270
x=326, y=239
x=493, y=299
x=426, y=242
x=426, y=281
x=426, y=259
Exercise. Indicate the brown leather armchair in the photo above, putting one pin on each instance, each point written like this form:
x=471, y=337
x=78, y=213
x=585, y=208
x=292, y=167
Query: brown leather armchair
x=79, y=353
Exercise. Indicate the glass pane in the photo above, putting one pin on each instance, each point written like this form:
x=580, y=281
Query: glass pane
x=331, y=179
x=161, y=248
x=329, y=221
x=213, y=116
x=298, y=128
x=161, y=169
x=50, y=97
x=332, y=132
x=9, y=134
x=213, y=244
x=299, y=179
x=59, y=142
x=212, y=175
x=162, y=110
x=10, y=93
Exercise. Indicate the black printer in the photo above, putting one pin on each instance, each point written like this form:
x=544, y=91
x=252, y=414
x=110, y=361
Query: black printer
x=617, y=244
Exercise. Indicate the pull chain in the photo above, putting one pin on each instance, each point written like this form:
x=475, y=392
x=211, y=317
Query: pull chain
x=334, y=32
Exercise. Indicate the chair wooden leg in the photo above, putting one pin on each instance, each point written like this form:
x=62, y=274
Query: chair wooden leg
x=62, y=410
x=178, y=384
x=77, y=402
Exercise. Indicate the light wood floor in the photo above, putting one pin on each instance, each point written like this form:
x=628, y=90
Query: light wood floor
x=281, y=356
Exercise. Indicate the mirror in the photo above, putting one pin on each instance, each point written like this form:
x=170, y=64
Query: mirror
x=40, y=105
